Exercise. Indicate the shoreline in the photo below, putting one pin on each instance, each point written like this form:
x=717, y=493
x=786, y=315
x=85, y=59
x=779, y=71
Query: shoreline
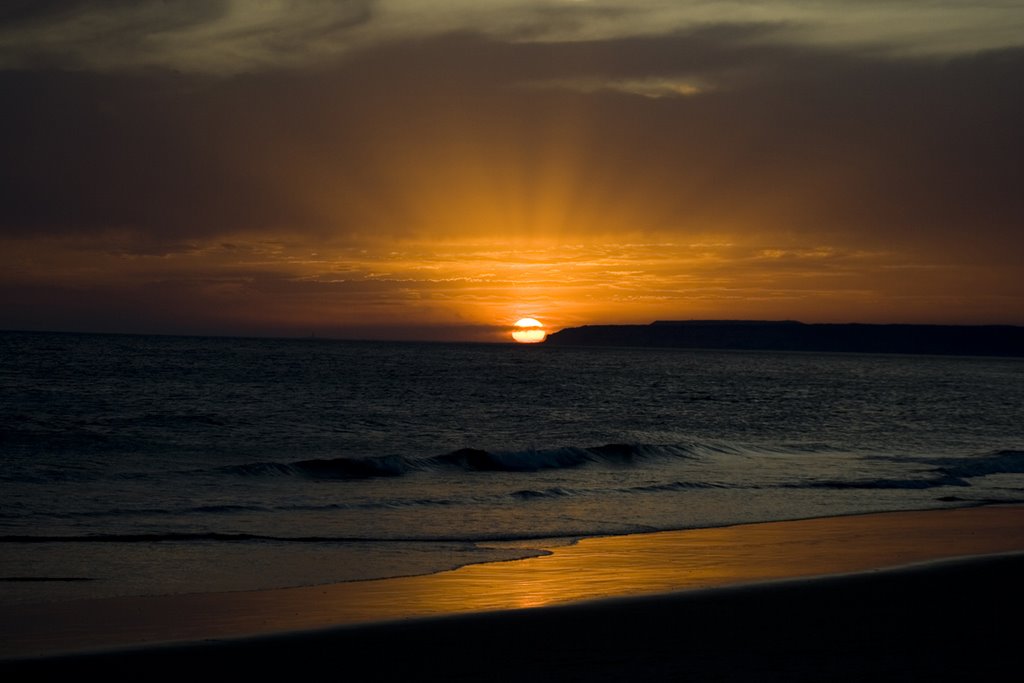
x=604, y=573
x=937, y=622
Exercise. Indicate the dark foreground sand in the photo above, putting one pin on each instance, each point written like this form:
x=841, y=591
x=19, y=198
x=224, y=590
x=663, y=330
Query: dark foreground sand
x=947, y=620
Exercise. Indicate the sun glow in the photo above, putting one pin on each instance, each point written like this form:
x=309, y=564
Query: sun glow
x=529, y=331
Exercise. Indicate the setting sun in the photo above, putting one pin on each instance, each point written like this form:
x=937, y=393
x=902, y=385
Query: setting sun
x=529, y=331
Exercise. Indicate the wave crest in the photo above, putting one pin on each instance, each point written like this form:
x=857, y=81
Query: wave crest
x=997, y=462
x=466, y=459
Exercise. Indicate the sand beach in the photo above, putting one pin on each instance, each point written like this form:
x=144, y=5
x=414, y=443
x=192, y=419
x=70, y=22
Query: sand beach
x=896, y=596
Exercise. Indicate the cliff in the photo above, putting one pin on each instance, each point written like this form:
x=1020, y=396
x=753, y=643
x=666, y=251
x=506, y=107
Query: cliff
x=788, y=335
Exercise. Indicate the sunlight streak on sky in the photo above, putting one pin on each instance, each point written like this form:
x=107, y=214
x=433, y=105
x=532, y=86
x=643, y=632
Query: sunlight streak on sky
x=398, y=168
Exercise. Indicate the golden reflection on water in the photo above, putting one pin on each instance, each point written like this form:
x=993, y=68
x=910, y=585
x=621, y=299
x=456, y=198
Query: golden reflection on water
x=591, y=569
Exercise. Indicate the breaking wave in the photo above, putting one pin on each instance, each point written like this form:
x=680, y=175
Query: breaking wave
x=470, y=460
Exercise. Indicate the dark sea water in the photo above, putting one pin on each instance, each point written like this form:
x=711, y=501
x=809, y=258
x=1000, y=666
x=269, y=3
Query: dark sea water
x=136, y=465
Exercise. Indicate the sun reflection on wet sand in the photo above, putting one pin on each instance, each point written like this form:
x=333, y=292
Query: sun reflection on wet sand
x=662, y=562
x=592, y=569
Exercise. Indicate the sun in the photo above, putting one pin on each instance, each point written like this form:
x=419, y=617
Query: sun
x=529, y=331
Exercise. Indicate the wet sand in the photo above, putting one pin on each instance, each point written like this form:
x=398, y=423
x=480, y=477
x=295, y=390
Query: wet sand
x=714, y=604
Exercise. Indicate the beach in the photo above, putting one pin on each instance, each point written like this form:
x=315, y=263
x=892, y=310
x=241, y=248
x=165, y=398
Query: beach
x=904, y=595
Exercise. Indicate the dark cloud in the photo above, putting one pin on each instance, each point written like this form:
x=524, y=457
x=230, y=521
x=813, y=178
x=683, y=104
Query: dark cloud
x=160, y=14
x=67, y=31
x=782, y=138
x=203, y=36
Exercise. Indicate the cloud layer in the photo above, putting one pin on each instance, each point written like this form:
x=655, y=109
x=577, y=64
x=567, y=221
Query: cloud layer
x=233, y=36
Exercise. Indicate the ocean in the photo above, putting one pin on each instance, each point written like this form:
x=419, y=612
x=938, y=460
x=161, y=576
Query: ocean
x=147, y=465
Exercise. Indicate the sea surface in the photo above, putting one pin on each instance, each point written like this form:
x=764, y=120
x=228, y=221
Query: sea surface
x=143, y=465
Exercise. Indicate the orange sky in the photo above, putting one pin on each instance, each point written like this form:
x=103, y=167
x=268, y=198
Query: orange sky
x=367, y=170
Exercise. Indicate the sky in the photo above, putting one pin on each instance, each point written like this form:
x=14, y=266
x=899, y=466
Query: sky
x=400, y=169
